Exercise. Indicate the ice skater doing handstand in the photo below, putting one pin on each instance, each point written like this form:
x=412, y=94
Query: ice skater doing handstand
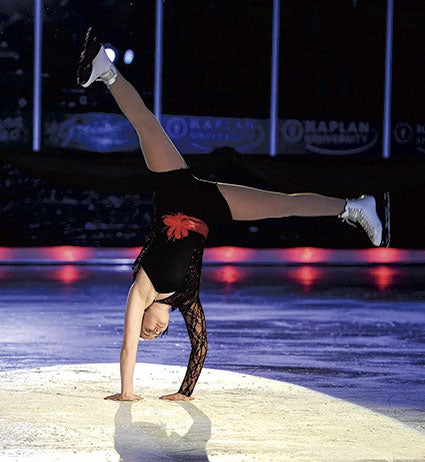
x=167, y=271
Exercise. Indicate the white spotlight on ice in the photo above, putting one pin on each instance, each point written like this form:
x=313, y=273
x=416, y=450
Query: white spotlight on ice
x=128, y=56
x=111, y=52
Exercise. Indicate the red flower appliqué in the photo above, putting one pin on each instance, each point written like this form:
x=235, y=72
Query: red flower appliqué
x=179, y=225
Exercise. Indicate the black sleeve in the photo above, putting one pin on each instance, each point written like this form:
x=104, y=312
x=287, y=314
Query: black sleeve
x=196, y=328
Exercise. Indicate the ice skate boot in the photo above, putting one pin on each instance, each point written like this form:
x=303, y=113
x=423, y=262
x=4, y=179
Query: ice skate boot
x=94, y=63
x=363, y=211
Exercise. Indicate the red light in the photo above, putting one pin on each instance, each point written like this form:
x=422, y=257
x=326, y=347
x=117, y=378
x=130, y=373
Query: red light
x=306, y=275
x=385, y=255
x=68, y=274
x=229, y=254
x=306, y=255
x=228, y=274
x=68, y=253
x=383, y=276
x=131, y=252
x=5, y=253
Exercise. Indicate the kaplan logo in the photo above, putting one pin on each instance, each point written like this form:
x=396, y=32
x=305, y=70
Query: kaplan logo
x=205, y=133
x=410, y=134
x=330, y=137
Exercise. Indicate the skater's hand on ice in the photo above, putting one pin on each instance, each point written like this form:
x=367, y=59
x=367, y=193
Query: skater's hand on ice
x=121, y=397
x=176, y=397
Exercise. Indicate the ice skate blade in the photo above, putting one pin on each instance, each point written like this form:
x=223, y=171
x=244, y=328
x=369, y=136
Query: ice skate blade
x=386, y=224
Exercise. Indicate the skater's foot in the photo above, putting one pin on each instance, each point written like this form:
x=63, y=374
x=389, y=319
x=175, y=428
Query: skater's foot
x=363, y=211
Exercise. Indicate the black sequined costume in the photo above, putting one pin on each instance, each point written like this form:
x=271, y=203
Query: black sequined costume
x=185, y=207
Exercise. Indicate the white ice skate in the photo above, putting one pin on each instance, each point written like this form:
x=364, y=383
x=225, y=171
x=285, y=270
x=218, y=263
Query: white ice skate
x=363, y=211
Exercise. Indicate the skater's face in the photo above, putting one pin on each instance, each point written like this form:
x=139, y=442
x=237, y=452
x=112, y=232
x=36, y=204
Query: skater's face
x=155, y=321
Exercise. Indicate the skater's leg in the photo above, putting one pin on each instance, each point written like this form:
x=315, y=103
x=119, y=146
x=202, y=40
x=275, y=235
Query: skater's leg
x=255, y=204
x=159, y=152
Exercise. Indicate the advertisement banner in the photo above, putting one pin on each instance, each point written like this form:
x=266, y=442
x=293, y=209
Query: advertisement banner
x=101, y=132
x=96, y=132
x=408, y=138
x=323, y=137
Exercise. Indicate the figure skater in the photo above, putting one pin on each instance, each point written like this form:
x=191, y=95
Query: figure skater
x=167, y=272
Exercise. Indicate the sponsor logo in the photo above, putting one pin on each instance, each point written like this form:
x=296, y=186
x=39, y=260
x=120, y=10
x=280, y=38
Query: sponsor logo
x=176, y=127
x=410, y=133
x=330, y=137
x=420, y=137
x=93, y=132
x=403, y=133
x=292, y=130
x=206, y=133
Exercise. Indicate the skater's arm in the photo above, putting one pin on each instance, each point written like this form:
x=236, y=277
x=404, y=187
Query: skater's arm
x=195, y=323
x=132, y=323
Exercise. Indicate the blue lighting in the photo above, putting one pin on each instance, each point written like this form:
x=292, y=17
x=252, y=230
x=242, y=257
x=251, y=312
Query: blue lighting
x=274, y=91
x=158, y=59
x=128, y=56
x=386, y=136
x=38, y=32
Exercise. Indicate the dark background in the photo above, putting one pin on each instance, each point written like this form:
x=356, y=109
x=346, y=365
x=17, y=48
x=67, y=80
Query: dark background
x=217, y=58
x=217, y=54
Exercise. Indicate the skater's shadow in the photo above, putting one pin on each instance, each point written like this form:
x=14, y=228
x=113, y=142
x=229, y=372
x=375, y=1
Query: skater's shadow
x=143, y=441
